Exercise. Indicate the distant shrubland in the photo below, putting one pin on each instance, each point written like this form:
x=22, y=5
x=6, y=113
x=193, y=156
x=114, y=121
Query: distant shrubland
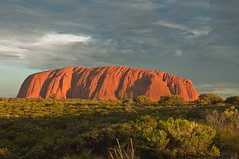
x=130, y=128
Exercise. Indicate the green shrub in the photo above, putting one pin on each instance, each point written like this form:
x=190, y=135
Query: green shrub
x=222, y=121
x=227, y=124
x=191, y=139
x=142, y=100
x=25, y=140
x=232, y=100
x=207, y=99
x=174, y=138
x=36, y=152
x=98, y=140
x=171, y=100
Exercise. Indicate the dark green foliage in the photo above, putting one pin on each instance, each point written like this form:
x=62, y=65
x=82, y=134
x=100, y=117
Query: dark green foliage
x=232, y=100
x=37, y=152
x=143, y=100
x=171, y=139
x=207, y=99
x=25, y=140
x=98, y=140
x=83, y=155
x=171, y=100
x=87, y=155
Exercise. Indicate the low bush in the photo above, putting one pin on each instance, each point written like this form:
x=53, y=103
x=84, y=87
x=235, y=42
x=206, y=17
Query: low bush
x=174, y=138
x=232, y=100
x=143, y=100
x=171, y=100
x=222, y=121
x=208, y=99
x=227, y=124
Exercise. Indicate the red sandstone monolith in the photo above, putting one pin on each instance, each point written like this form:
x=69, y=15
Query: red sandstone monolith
x=105, y=83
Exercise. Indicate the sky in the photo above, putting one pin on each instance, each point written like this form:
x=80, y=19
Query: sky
x=197, y=40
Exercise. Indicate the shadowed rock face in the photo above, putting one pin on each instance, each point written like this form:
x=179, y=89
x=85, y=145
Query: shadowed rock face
x=105, y=82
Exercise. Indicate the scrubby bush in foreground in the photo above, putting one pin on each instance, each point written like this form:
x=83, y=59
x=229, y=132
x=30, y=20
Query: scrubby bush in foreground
x=229, y=119
x=119, y=153
x=174, y=138
x=227, y=124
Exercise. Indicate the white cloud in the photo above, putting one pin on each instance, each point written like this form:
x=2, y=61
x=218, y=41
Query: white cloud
x=145, y=5
x=226, y=91
x=17, y=47
x=171, y=25
x=11, y=49
x=201, y=32
x=56, y=38
x=221, y=89
x=11, y=46
x=195, y=32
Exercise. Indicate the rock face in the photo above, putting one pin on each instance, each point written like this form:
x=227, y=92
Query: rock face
x=105, y=82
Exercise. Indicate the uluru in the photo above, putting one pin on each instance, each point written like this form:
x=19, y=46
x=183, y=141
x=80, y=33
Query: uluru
x=106, y=82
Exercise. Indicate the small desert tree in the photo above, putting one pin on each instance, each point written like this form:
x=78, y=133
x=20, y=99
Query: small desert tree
x=143, y=100
x=210, y=98
x=171, y=100
x=232, y=100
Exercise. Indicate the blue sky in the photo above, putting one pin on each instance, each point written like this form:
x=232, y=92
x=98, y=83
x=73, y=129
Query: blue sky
x=191, y=39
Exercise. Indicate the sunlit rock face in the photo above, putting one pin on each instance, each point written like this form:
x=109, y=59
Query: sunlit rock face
x=109, y=82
